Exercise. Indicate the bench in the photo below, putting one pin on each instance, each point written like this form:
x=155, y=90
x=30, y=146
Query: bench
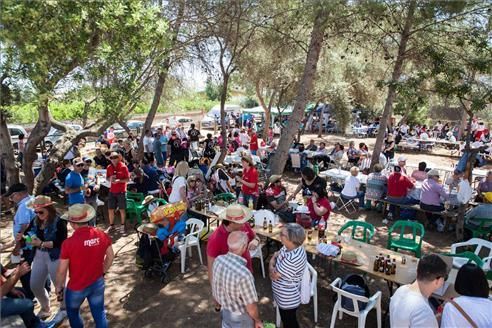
x=446, y=215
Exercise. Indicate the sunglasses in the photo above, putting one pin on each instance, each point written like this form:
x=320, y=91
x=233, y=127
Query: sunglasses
x=40, y=212
x=80, y=165
x=114, y=157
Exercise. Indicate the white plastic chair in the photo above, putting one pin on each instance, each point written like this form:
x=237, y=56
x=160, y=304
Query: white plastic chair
x=314, y=295
x=481, y=248
x=190, y=240
x=259, y=216
x=373, y=302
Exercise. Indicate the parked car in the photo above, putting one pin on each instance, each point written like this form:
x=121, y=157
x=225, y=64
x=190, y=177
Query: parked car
x=15, y=131
x=213, y=116
x=134, y=126
x=55, y=135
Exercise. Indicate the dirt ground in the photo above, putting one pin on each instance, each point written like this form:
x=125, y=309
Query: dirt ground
x=135, y=301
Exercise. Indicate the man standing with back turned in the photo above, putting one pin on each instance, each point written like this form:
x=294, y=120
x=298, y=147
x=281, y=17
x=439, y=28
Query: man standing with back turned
x=233, y=286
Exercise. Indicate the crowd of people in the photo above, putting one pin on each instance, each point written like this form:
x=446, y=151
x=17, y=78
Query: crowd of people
x=180, y=165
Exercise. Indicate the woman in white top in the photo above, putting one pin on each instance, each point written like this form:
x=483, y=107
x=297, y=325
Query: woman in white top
x=474, y=301
x=178, y=192
x=286, y=270
x=351, y=189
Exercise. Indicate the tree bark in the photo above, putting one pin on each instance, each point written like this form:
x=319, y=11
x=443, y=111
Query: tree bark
x=37, y=135
x=223, y=129
x=395, y=76
x=267, y=109
x=305, y=86
x=7, y=154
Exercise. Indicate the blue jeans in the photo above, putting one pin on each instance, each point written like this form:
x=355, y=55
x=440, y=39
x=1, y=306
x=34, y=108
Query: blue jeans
x=20, y=306
x=246, y=199
x=235, y=320
x=401, y=200
x=95, y=296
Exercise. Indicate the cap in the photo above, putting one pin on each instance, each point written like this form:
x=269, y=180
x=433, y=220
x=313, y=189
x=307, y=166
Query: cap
x=402, y=159
x=433, y=173
x=76, y=161
x=16, y=187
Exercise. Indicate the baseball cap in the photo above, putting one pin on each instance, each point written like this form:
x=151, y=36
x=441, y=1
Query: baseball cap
x=16, y=187
x=77, y=161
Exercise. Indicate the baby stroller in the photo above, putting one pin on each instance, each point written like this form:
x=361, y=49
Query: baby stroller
x=153, y=255
x=156, y=247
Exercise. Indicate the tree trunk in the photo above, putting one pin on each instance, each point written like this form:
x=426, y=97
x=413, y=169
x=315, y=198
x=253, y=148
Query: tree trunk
x=7, y=154
x=462, y=127
x=397, y=69
x=267, y=109
x=305, y=86
x=223, y=129
x=37, y=135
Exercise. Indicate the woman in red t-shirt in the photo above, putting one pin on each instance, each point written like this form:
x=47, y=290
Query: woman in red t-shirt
x=319, y=205
x=249, y=181
x=253, y=142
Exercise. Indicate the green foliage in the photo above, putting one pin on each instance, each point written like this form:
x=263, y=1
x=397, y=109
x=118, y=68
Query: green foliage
x=212, y=90
x=340, y=99
x=248, y=102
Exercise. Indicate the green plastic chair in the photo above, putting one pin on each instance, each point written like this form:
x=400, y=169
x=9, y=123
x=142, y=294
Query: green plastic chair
x=479, y=228
x=134, y=210
x=403, y=242
x=136, y=196
x=367, y=233
x=226, y=197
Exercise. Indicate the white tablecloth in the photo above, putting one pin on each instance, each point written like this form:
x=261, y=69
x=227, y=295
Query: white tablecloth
x=341, y=175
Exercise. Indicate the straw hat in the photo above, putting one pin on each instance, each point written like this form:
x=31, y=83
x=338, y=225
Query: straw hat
x=40, y=202
x=79, y=213
x=274, y=178
x=350, y=257
x=236, y=213
x=488, y=196
x=148, y=228
x=248, y=158
x=148, y=199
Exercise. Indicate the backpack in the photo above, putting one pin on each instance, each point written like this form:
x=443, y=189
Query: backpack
x=306, y=286
x=354, y=284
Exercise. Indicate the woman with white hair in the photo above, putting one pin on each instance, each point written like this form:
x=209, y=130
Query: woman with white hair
x=286, y=270
x=178, y=192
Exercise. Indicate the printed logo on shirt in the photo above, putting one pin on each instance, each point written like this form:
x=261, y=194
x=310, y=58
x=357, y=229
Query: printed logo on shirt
x=91, y=242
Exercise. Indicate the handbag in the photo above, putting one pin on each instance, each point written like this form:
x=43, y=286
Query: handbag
x=464, y=314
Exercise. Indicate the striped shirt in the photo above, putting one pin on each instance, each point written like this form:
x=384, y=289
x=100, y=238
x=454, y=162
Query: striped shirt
x=290, y=265
x=233, y=285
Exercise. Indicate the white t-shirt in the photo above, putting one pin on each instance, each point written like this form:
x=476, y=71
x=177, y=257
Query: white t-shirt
x=178, y=183
x=409, y=308
x=147, y=143
x=479, y=309
x=351, y=185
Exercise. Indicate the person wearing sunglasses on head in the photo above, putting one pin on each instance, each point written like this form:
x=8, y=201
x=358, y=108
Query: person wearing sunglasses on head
x=74, y=183
x=45, y=235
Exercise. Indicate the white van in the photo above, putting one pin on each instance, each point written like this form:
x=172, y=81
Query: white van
x=213, y=116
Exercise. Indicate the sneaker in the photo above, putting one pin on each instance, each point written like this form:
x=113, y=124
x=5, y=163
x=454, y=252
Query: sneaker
x=59, y=316
x=110, y=228
x=122, y=228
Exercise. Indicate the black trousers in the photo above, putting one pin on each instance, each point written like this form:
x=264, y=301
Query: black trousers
x=289, y=317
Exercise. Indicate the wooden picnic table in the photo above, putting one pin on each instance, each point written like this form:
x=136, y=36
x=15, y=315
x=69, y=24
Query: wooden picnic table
x=366, y=253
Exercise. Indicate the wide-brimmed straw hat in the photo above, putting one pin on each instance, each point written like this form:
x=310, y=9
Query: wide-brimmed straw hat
x=350, y=257
x=236, y=213
x=248, y=158
x=40, y=202
x=148, y=228
x=148, y=199
x=79, y=213
x=274, y=178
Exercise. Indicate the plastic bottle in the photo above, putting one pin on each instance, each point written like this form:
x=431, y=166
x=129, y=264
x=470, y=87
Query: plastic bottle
x=250, y=204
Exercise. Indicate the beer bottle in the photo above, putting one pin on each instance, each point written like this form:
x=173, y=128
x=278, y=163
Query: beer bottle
x=393, y=267
x=382, y=265
x=265, y=225
x=270, y=227
x=375, y=266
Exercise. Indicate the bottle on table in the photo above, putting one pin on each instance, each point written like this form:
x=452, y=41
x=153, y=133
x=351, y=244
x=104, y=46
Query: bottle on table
x=270, y=227
x=382, y=263
x=265, y=224
x=388, y=268
x=393, y=267
x=321, y=228
x=375, y=266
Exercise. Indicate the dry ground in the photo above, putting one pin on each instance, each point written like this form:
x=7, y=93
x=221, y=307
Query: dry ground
x=135, y=301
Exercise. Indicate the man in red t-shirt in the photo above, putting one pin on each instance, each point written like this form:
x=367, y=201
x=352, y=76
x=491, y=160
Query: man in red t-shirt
x=253, y=142
x=234, y=218
x=398, y=187
x=117, y=174
x=87, y=255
